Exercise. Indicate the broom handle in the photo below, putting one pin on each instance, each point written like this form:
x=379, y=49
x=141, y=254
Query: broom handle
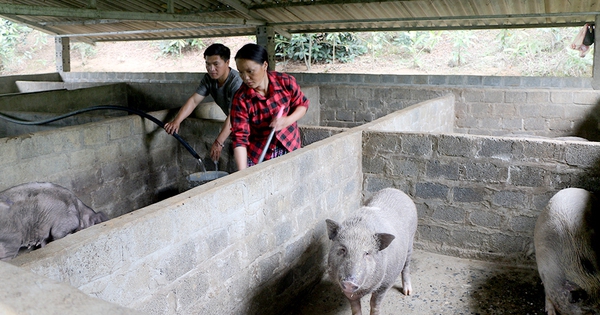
x=264, y=151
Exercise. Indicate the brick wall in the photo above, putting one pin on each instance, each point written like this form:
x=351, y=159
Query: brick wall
x=435, y=115
x=477, y=196
x=537, y=106
x=548, y=107
x=539, y=112
x=116, y=166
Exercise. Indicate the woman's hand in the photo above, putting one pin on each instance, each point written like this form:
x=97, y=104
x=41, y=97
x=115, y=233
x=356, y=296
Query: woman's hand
x=282, y=122
x=279, y=123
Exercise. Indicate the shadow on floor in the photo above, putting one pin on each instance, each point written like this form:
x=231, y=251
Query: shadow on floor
x=272, y=297
x=509, y=291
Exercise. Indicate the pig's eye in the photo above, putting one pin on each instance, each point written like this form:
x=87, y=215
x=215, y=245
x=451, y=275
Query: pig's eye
x=341, y=251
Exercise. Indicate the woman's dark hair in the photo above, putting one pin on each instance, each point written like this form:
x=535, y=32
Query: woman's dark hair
x=218, y=49
x=253, y=52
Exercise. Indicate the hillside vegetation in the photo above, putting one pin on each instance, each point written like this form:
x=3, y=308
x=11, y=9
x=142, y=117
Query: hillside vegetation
x=515, y=52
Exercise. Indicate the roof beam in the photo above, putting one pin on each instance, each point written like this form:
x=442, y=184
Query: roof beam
x=41, y=28
x=285, y=4
x=241, y=8
x=14, y=9
x=153, y=31
x=82, y=22
x=409, y=28
x=438, y=18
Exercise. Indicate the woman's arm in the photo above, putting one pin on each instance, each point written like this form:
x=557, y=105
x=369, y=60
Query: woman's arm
x=283, y=122
x=240, y=154
x=298, y=103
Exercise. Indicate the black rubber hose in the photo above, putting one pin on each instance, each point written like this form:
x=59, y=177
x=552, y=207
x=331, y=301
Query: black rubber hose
x=103, y=107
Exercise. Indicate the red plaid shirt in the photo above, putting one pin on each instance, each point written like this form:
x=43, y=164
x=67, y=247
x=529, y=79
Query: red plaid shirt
x=251, y=114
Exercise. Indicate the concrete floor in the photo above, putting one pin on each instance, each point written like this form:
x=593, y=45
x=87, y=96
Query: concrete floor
x=443, y=285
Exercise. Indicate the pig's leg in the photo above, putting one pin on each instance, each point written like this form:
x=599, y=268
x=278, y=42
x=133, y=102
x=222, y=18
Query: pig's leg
x=8, y=249
x=355, y=306
x=406, y=286
x=549, y=306
x=63, y=227
x=376, y=299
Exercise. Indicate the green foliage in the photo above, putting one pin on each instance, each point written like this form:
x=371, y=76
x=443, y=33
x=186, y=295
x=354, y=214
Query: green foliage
x=543, y=52
x=414, y=44
x=320, y=47
x=575, y=66
x=376, y=42
x=85, y=50
x=461, y=42
x=11, y=35
x=527, y=52
x=178, y=46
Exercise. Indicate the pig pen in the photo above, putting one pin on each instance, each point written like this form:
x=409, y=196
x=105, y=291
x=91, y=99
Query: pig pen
x=254, y=241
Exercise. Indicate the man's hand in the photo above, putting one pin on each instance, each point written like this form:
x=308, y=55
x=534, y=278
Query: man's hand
x=215, y=150
x=172, y=127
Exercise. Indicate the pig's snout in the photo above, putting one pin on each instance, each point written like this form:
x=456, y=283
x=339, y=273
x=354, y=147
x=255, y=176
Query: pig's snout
x=349, y=285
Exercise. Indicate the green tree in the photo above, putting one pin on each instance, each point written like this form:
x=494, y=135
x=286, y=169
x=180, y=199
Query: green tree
x=320, y=47
x=178, y=46
x=11, y=35
x=461, y=42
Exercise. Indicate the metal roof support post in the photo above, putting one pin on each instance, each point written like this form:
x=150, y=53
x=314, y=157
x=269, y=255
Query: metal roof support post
x=596, y=61
x=265, y=36
x=63, y=54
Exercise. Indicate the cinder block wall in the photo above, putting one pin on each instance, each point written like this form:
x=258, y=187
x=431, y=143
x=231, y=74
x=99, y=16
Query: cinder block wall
x=541, y=112
x=49, y=104
x=146, y=91
x=548, y=107
x=355, y=105
x=63, y=101
x=248, y=243
x=116, y=166
x=477, y=196
x=436, y=115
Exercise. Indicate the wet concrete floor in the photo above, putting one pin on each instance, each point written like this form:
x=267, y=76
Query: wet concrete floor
x=443, y=285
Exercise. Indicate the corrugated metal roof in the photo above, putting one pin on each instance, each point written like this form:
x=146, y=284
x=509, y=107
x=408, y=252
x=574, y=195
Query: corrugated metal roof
x=118, y=20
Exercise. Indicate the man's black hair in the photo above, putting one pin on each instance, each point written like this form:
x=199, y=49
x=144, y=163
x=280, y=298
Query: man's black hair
x=218, y=50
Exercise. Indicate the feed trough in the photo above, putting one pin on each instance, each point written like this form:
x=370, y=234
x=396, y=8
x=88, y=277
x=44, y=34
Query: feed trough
x=197, y=179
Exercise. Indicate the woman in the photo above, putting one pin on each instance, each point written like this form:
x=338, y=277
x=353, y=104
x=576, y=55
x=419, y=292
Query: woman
x=256, y=104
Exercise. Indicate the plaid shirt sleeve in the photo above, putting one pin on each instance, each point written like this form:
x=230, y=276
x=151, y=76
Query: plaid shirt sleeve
x=251, y=114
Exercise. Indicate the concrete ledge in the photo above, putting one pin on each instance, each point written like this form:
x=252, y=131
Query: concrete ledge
x=23, y=292
x=436, y=115
x=38, y=86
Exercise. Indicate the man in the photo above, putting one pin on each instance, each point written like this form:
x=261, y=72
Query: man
x=221, y=82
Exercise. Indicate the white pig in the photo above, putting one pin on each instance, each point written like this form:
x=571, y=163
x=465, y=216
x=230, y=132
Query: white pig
x=567, y=245
x=33, y=214
x=371, y=248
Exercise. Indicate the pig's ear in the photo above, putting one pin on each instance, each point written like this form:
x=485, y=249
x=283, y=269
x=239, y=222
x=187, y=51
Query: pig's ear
x=332, y=228
x=384, y=240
